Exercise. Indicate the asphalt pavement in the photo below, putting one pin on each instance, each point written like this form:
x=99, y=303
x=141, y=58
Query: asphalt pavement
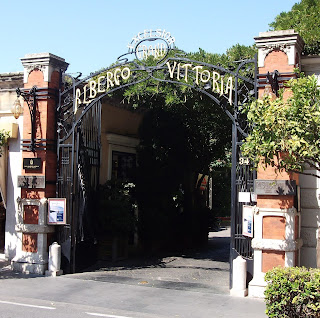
x=191, y=284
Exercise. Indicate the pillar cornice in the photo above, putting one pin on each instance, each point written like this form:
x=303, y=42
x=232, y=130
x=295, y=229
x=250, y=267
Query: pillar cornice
x=45, y=62
x=287, y=41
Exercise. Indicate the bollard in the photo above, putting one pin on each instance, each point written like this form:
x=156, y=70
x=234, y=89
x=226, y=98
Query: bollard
x=54, y=260
x=239, y=277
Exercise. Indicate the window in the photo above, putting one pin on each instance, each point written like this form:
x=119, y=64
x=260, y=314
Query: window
x=123, y=165
x=121, y=157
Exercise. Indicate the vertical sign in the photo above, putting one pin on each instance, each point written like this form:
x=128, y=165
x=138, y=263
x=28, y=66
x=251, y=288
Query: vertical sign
x=247, y=220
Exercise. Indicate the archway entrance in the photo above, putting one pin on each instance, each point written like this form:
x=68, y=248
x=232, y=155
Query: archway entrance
x=79, y=126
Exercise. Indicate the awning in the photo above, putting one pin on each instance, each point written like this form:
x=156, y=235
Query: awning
x=3, y=174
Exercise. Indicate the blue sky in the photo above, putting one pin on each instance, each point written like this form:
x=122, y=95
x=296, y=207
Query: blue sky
x=91, y=34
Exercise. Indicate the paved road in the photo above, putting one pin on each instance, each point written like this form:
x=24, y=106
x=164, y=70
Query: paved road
x=191, y=285
x=205, y=269
x=76, y=297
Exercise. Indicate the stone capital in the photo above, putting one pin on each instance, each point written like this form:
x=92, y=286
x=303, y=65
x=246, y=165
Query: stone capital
x=45, y=62
x=287, y=41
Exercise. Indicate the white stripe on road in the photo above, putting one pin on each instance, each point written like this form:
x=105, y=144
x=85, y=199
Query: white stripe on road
x=105, y=315
x=25, y=305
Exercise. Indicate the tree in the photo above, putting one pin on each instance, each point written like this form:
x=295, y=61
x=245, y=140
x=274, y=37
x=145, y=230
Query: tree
x=286, y=133
x=304, y=18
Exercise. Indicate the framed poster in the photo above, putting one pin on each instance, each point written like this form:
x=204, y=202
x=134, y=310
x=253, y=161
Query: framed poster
x=57, y=211
x=247, y=220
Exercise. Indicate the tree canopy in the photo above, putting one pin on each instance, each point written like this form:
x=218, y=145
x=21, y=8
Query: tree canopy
x=304, y=18
x=286, y=133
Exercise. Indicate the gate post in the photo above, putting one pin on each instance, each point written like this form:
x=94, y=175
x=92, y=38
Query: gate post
x=42, y=75
x=276, y=239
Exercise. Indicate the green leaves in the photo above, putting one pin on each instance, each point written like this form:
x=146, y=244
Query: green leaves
x=292, y=292
x=304, y=18
x=290, y=127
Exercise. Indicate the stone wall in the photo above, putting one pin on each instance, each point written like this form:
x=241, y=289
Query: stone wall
x=310, y=192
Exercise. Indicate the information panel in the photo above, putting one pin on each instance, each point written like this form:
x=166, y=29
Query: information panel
x=56, y=211
x=247, y=221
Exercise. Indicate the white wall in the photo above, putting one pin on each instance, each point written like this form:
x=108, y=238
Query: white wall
x=14, y=169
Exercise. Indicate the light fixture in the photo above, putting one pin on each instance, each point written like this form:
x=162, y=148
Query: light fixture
x=17, y=109
x=30, y=98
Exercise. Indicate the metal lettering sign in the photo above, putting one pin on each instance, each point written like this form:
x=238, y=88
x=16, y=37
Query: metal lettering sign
x=32, y=163
x=275, y=187
x=156, y=43
x=244, y=161
x=32, y=182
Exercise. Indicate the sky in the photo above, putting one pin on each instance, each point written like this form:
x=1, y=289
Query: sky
x=92, y=34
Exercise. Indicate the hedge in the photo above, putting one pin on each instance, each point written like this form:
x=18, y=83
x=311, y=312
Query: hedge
x=293, y=292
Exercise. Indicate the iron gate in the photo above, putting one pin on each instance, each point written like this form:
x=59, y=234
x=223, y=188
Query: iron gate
x=77, y=180
x=79, y=119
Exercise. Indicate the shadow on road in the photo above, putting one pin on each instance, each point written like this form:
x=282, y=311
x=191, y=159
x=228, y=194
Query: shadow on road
x=192, y=269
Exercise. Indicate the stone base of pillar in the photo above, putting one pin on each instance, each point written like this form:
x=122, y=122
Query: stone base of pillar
x=238, y=293
x=54, y=273
x=32, y=255
x=22, y=266
x=257, y=287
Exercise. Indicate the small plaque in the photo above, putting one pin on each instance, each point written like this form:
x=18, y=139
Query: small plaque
x=32, y=163
x=275, y=187
x=244, y=197
x=32, y=182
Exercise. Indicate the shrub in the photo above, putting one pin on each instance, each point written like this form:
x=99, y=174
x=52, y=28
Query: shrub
x=293, y=292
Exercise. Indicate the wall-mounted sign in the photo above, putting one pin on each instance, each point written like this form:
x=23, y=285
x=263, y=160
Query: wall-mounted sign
x=32, y=163
x=275, y=187
x=32, y=182
x=244, y=197
x=244, y=161
x=57, y=211
x=247, y=220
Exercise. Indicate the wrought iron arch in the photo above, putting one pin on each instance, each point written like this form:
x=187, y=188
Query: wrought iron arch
x=79, y=140
x=68, y=120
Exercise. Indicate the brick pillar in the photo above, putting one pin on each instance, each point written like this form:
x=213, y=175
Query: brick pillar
x=276, y=239
x=42, y=71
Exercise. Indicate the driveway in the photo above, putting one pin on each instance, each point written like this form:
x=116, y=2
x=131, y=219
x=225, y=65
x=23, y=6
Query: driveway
x=204, y=269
